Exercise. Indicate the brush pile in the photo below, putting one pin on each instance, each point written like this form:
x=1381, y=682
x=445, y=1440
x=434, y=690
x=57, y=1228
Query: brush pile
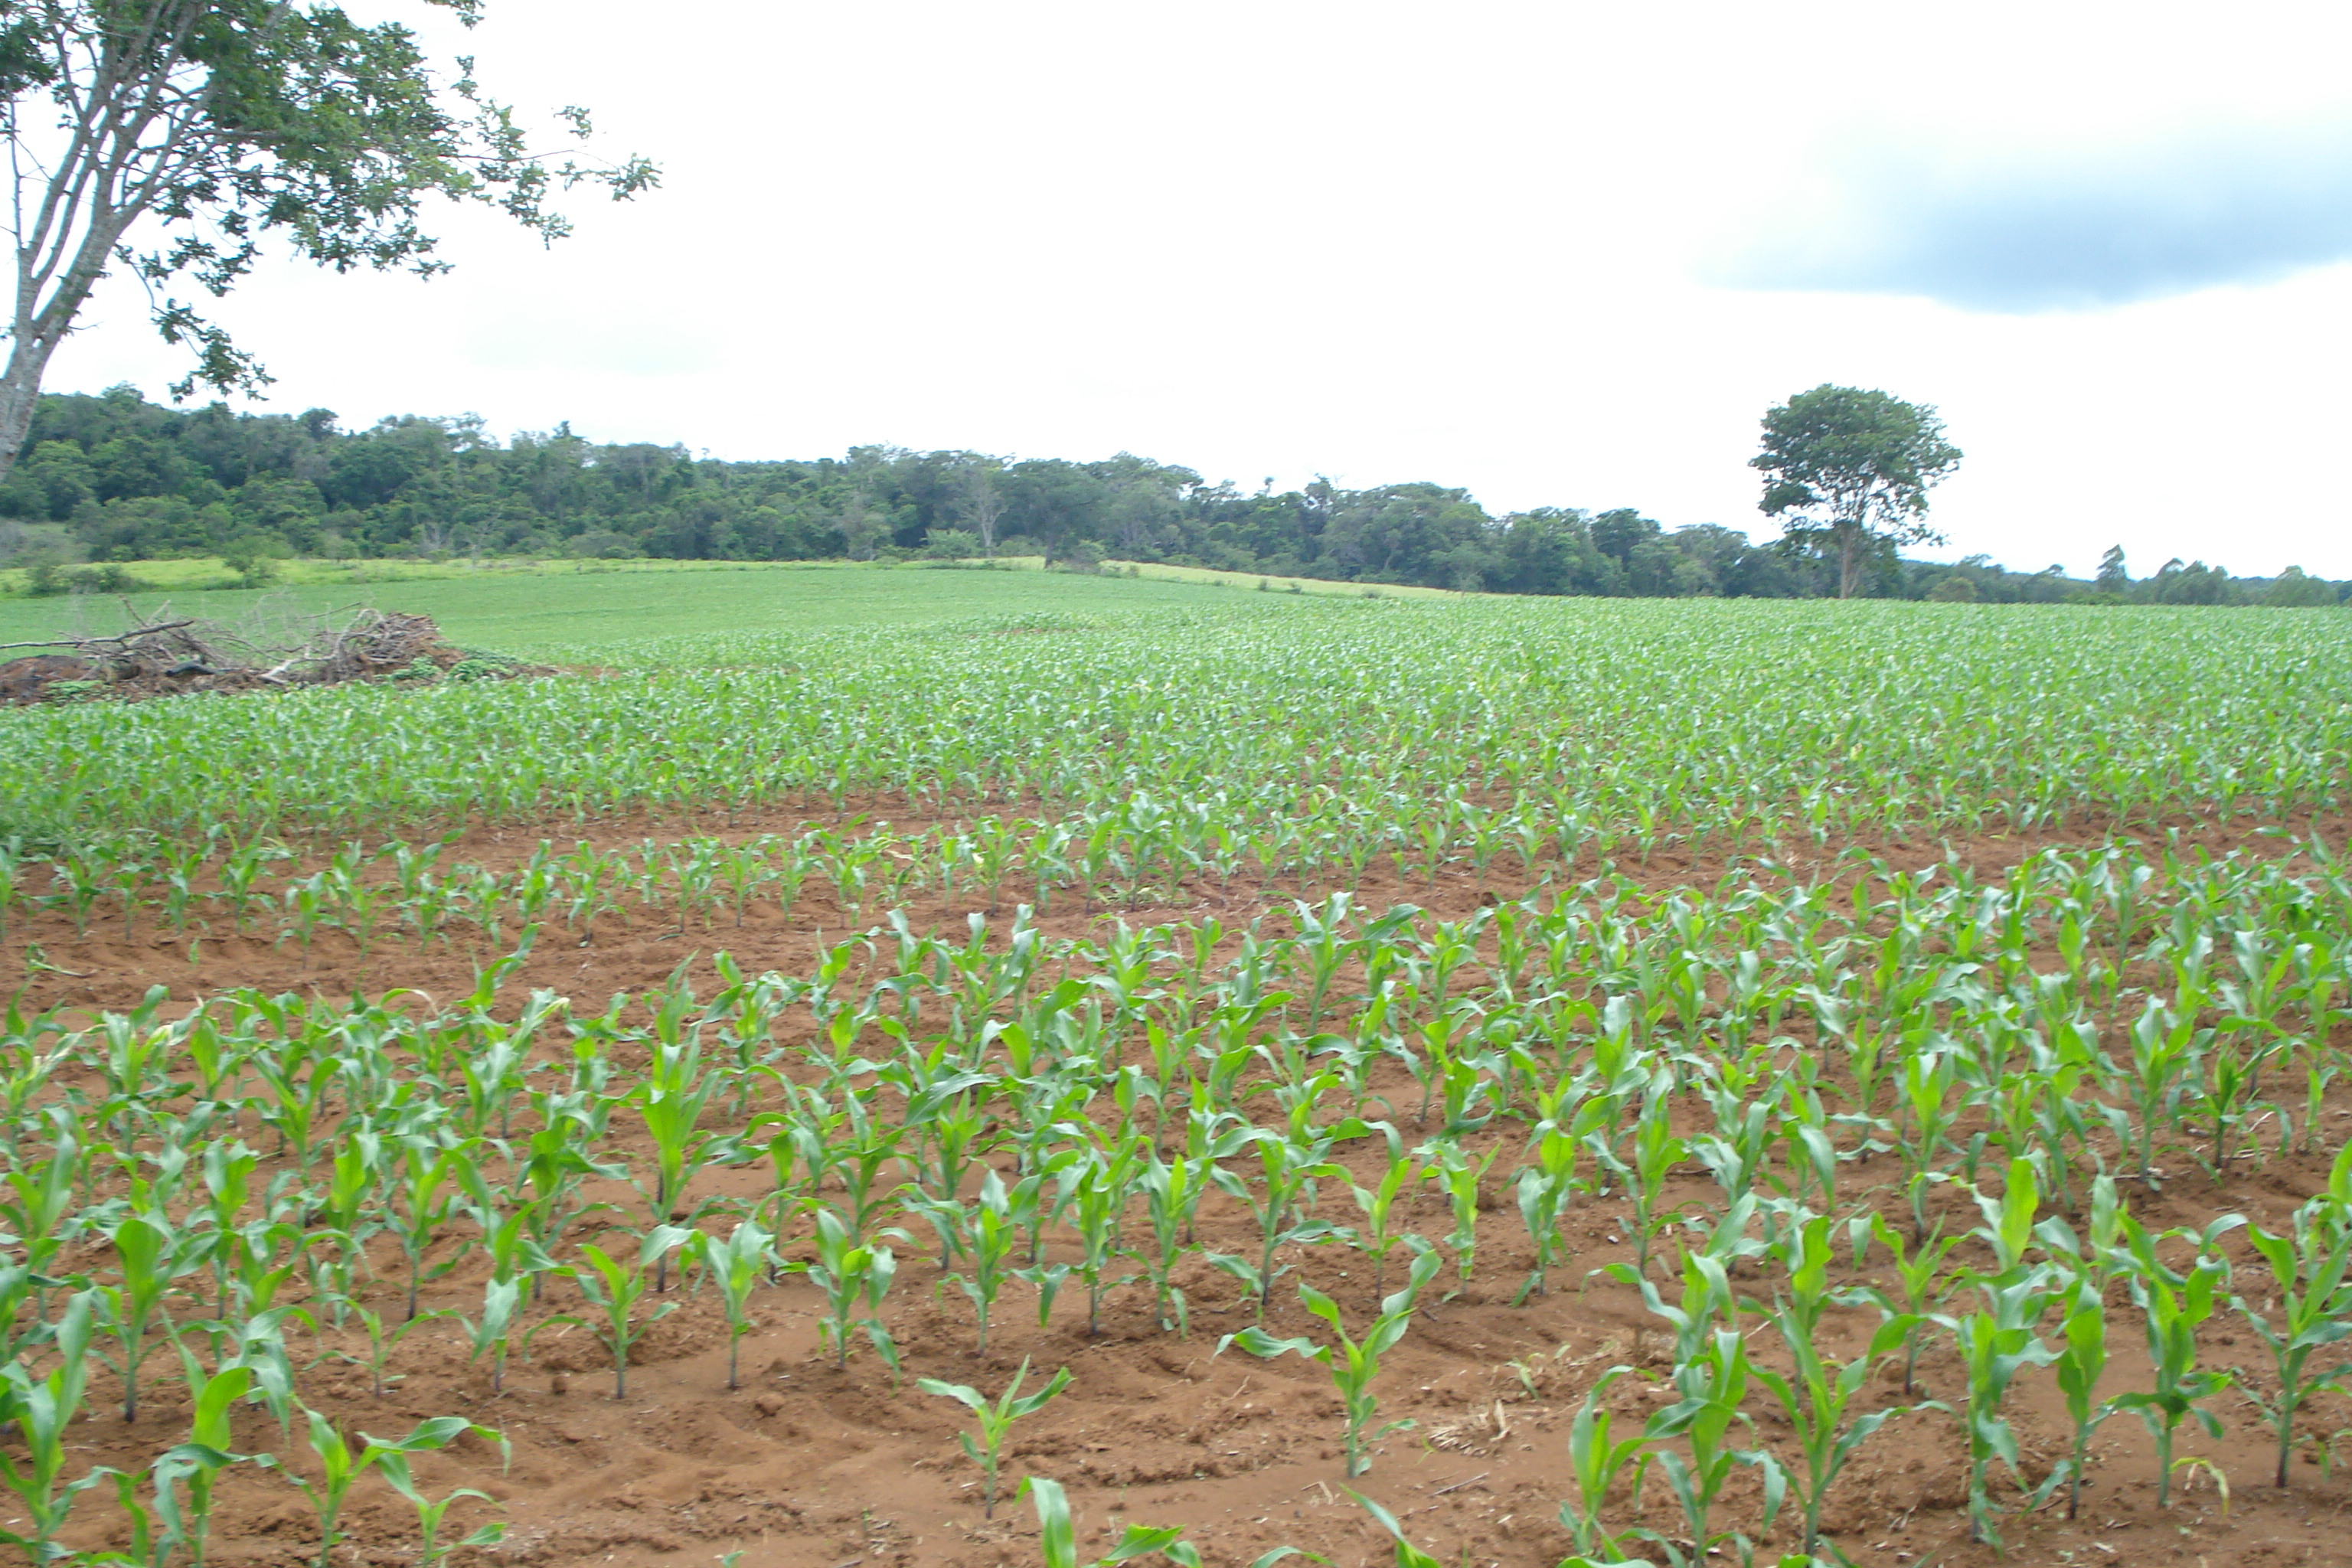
x=164, y=655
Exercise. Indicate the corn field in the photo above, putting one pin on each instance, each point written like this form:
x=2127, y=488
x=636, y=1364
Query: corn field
x=1509, y=1082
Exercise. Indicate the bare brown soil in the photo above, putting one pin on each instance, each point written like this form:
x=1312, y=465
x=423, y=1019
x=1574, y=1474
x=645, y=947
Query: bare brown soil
x=807, y=1467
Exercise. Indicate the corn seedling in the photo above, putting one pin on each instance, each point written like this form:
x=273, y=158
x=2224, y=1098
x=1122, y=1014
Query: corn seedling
x=1713, y=1384
x=1352, y=1363
x=2175, y=1306
x=1172, y=1192
x=1996, y=1344
x=2082, y=1358
x=1817, y=1396
x=392, y=1464
x=737, y=1266
x=995, y=1419
x=152, y=1258
x=1058, y=1539
x=1459, y=1173
x=41, y=1409
x=983, y=1237
x=614, y=1287
x=339, y=1467
x=198, y=1461
x=1287, y=1169
x=1598, y=1463
x=854, y=1278
x=1377, y=1237
x=2307, y=1265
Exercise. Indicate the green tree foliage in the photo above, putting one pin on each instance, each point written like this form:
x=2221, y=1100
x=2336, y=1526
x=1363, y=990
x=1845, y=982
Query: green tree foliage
x=1848, y=470
x=173, y=137
x=2292, y=589
x=2113, y=577
x=129, y=480
x=133, y=480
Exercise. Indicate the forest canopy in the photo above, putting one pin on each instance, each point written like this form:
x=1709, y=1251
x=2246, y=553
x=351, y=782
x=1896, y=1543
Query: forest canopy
x=112, y=478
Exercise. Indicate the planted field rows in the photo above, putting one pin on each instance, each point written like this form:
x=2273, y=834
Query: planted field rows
x=1665, y=1082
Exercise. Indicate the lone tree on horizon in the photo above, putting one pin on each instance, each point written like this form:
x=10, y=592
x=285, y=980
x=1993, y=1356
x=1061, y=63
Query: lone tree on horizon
x=1848, y=470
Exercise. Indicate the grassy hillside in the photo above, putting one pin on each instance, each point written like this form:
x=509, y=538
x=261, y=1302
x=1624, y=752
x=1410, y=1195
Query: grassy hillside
x=563, y=611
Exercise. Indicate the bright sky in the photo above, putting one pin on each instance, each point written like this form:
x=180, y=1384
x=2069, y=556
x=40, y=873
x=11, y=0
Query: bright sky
x=1557, y=254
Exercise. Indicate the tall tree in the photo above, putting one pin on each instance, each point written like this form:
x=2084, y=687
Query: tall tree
x=1848, y=471
x=218, y=122
x=2113, y=577
x=977, y=503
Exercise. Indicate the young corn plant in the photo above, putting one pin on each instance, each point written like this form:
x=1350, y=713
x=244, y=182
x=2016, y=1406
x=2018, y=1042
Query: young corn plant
x=671, y=1102
x=2082, y=1360
x=1172, y=1190
x=383, y=1339
x=2175, y=1306
x=1927, y=1091
x=1924, y=1281
x=1818, y=1397
x=1289, y=1167
x=341, y=1467
x=1996, y=1344
x=1377, y=1237
x=1408, y=1555
x=984, y=1237
x=1352, y=1363
x=2163, y=1045
x=1058, y=1537
x=614, y=1287
x=854, y=1278
x=1598, y=1463
x=1460, y=1173
x=431, y=1182
x=198, y=1461
x=737, y=1266
x=392, y=1464
x=2003, y=1338
x=151, y=1256
x=1095, y=1192
x=1713, y=1384
x=995, y=1419
x=2313, y=1301
x=1545, y=1188
x=1655, y=1153
x=492, y=1333
x=41, y=1409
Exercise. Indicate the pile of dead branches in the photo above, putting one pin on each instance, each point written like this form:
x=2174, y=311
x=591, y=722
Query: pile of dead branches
x=162, y=654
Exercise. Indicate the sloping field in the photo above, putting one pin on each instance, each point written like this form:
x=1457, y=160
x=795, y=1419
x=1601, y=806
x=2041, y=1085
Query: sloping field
x=1853, y=1081
x=575, y=612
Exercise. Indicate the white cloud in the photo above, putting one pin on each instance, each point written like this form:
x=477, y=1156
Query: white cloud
x=2043, y=228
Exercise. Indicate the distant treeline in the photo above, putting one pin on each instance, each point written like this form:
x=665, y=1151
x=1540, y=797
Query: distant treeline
x=115, y=477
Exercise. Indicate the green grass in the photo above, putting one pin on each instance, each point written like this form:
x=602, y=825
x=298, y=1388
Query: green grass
x=593, y=611
x=1284, y=584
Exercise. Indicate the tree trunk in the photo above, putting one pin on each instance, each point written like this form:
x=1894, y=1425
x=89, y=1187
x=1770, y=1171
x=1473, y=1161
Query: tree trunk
x=20, y=384
x=39, y=323
x=1850, y=539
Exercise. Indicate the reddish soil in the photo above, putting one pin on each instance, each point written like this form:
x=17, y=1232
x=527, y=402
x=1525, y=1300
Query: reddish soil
x=47, y=964
x=807, y=1467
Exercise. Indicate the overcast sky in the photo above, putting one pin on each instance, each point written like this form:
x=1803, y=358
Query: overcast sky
x=1556, y=254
